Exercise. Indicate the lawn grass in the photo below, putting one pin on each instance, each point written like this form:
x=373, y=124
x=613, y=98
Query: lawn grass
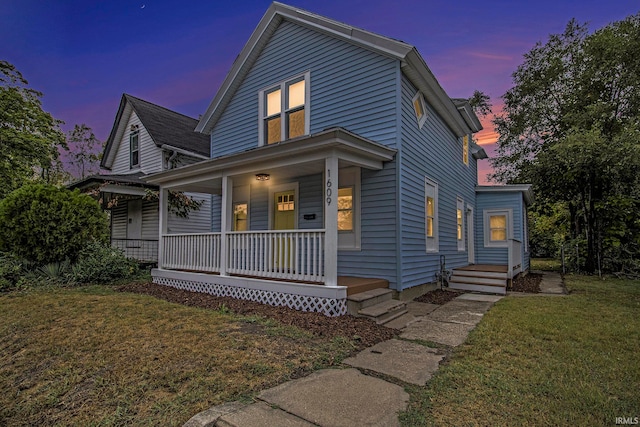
x=546, y=264
x=571, y=360
x=93, y=357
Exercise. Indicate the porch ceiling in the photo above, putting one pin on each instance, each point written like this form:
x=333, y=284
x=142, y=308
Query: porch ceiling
x=288, y=159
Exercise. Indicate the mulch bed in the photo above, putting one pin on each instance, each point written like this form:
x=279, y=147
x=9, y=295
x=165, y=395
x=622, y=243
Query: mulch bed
x=363, y=332
x=438, y=296
x=529, y=283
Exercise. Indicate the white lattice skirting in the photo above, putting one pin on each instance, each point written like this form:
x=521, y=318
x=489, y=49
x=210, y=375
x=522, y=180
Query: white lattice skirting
x=328, y=306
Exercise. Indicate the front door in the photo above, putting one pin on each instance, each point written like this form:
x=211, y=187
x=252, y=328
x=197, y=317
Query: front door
x=471, y=248
x=284, y=215
x=284, y=218
x=134, y=221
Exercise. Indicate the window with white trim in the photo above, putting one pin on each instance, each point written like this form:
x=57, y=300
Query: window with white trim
x=460, y=223
x=134, y=148
x=419, y=108
x=465, y=150
x=349, y=232
x=345, y=209
x=497, y=227
x=284, y=110
x=431, y=215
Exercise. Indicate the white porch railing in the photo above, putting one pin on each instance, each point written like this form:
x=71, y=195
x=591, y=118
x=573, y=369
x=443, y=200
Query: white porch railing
x=515, y=258
x=289, y=255
x=196, y=252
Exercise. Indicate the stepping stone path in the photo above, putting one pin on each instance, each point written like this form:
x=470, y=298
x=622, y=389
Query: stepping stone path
x=348, y=397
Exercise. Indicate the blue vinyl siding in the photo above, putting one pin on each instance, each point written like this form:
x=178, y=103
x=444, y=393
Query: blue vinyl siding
x=497, y=201
x=432, y=151
x=377, y=257
x=310, y=202
x=350, y=87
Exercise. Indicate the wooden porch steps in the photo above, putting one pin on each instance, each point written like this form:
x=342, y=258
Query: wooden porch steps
x=491, y=279
x=376, y=304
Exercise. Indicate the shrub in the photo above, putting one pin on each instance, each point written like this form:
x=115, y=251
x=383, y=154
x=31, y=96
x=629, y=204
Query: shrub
x=10, y=271
x=45, y=224
x=98, y=263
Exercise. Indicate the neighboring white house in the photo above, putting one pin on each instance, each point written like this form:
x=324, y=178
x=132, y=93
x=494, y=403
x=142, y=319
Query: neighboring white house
x=146, y=139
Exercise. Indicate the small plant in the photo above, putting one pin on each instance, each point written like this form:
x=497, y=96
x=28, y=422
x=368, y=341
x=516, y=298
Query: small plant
x=98, y=263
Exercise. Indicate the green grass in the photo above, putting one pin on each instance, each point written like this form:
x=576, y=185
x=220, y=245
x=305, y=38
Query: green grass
x=546, y=264
x=538, y=360
x=93, y=357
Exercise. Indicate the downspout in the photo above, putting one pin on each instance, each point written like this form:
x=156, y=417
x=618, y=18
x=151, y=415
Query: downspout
x=398, y=159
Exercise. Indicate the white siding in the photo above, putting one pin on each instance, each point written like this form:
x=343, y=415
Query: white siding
x=150, y=154
x=119, y=221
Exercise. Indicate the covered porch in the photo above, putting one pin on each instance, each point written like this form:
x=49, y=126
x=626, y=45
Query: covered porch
x=267, y=249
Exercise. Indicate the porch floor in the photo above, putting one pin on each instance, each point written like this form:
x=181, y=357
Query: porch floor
x=356, y=285
x=485, y=267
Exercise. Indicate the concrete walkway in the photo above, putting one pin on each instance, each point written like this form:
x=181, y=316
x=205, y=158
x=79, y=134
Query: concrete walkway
x=350, y=397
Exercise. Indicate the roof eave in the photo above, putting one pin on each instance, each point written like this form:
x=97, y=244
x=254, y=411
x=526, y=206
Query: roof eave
x=321, y=141
x=267, y=25
x=525, y=189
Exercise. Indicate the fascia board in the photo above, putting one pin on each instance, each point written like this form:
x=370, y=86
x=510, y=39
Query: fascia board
x=525, y=189
x=424, y=79
x=296, y=151
x=111, y=147
x=271, y=19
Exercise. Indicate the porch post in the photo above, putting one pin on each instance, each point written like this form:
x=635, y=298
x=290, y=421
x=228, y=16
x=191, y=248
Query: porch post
x=163, y=212
x=225, y=221
x=331, y=221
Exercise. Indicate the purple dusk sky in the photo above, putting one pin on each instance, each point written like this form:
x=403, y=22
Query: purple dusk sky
x=84, y=54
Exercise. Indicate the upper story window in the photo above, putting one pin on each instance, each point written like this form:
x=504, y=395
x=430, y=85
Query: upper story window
x=419, y=108
x=134, y=147
x=431, y=215
x=284, y=110
x=465, y=149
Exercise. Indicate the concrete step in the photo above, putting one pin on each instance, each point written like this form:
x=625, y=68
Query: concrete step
x=487, y=281
x=384, y=312
x=366, y=299
x=500, y=290
x=488, y=274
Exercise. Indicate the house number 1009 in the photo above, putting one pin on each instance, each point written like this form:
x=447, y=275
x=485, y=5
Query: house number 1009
x=328, y=190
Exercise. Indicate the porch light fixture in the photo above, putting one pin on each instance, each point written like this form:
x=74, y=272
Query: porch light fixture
x=262, y=176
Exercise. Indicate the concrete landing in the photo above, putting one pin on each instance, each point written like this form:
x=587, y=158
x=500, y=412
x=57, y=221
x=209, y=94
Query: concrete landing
x=461, y=311
x=480, y=297
x=340, y=397
x=410, y=362
x=426, y=329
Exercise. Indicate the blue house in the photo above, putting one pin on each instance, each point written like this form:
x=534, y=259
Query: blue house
x=339, y=167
